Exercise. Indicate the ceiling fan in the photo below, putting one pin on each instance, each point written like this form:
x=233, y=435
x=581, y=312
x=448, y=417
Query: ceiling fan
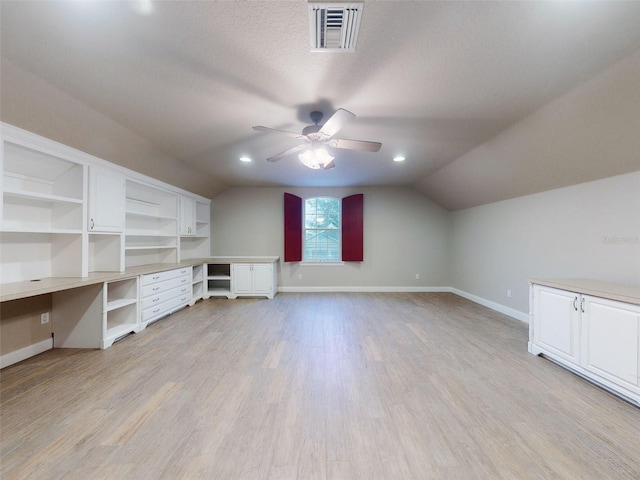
x=316, y=137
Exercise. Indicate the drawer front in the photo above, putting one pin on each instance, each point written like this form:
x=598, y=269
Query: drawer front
x=161, y=297
x=159, y=287
x=168, y=306
x=166, y=275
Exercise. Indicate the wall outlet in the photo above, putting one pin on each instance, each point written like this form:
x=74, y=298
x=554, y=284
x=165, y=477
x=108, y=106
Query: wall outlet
x=44, y=318
x=417, y=276
x=508, y=293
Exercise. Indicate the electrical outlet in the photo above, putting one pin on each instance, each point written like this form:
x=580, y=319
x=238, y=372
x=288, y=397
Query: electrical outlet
x=44, y=318
x=417, y=276
x=508, y=293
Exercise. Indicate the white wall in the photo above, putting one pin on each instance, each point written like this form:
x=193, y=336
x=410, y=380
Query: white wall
x=404, y=234
x=35, y=105
x=590, y=230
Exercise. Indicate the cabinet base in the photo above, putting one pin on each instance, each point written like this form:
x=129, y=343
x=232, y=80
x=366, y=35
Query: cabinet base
x=629, y=397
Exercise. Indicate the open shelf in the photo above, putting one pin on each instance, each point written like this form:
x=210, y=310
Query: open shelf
x=120, y=309
x=32, y=256
x=41, y=212
x=151, y=247
x=106, y=252
x=38, y=173
x=43, y=197
x=134, y=214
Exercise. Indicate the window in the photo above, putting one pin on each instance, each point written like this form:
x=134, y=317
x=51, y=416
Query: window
x=333, y=230
x=322, y=229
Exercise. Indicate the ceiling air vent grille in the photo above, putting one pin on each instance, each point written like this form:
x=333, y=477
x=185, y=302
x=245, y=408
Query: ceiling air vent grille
x=333, y=27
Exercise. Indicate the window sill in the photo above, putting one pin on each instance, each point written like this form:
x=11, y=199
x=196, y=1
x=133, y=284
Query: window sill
x=322, y=264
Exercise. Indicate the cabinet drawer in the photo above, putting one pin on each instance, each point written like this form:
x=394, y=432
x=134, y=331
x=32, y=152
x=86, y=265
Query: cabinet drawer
x=159, y=287
x=165, y=308
x=166, y=275
x=161, y=297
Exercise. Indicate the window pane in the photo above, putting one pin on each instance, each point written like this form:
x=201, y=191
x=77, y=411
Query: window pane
x=322, y=238
x=310, y=206
x=333, y=221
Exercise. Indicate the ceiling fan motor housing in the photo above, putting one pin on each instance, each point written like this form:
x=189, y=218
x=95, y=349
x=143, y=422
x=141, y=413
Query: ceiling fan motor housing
x=316, y=118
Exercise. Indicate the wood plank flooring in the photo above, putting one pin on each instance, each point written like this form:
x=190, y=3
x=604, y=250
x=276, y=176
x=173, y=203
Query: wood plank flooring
x=314, y=386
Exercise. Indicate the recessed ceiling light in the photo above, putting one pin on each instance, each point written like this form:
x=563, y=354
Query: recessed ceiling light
x=245, y=159
x=398, y=158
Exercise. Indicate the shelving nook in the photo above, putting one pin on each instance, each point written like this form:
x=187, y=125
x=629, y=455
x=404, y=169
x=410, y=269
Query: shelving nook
x=43, y=212
x=151, y=225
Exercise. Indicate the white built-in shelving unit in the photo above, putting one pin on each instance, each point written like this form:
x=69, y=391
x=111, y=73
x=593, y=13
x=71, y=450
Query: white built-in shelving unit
x=120, y=310
x=43, y=212
x=218, y=280
x=66, y=217
x=198, y=283
x=151, y=225
x=196, y=244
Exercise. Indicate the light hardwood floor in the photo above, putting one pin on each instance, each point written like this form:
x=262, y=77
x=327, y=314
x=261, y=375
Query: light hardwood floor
x=314, y=386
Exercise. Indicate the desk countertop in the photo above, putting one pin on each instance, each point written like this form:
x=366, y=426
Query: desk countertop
x=17, y=290
x=596, y=288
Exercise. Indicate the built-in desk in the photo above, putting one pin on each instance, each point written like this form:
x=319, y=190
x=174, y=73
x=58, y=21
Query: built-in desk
x=95, y=311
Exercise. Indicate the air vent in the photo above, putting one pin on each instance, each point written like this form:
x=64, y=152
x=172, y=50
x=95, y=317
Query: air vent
x=333, y=27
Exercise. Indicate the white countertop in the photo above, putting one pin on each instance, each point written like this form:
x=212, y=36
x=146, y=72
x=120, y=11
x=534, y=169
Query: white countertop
x=17, y=290
x=596, y=288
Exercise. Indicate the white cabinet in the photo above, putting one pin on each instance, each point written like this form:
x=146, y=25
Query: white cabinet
x=598, y=338
x=106, y=200
x=253, y=279
x=610, y=340
x=557, y=321
x=197, y=244
x=164, y=292
x=187, y=216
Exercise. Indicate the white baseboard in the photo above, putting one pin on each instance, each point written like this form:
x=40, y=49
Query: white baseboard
x=26, y=352
x=333, y=289
x=511, y=312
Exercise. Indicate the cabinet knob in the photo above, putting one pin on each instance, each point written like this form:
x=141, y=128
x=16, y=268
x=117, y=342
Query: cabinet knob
x=92, y=224
x=575, y=303
x=582, y=305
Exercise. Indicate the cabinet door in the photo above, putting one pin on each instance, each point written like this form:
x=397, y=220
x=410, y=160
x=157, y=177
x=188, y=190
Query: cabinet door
x=556, y=322
x=187, y=216
x=262, y=278
x=241, y=278
x=106, y=200
x=610, y=333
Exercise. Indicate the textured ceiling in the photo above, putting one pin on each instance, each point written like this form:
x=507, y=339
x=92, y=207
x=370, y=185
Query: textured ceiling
x=430, y=80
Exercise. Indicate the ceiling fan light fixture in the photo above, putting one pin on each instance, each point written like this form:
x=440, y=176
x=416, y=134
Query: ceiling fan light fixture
x=315, y=158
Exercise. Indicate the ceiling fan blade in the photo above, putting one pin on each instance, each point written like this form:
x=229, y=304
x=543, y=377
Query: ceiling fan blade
x=336, y=122
x=329, y=165
x=281, y=132
x=355, y=144
x=277, y=157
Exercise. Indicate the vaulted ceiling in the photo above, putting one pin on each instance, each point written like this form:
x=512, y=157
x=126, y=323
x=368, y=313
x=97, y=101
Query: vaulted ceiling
x=430, y=80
